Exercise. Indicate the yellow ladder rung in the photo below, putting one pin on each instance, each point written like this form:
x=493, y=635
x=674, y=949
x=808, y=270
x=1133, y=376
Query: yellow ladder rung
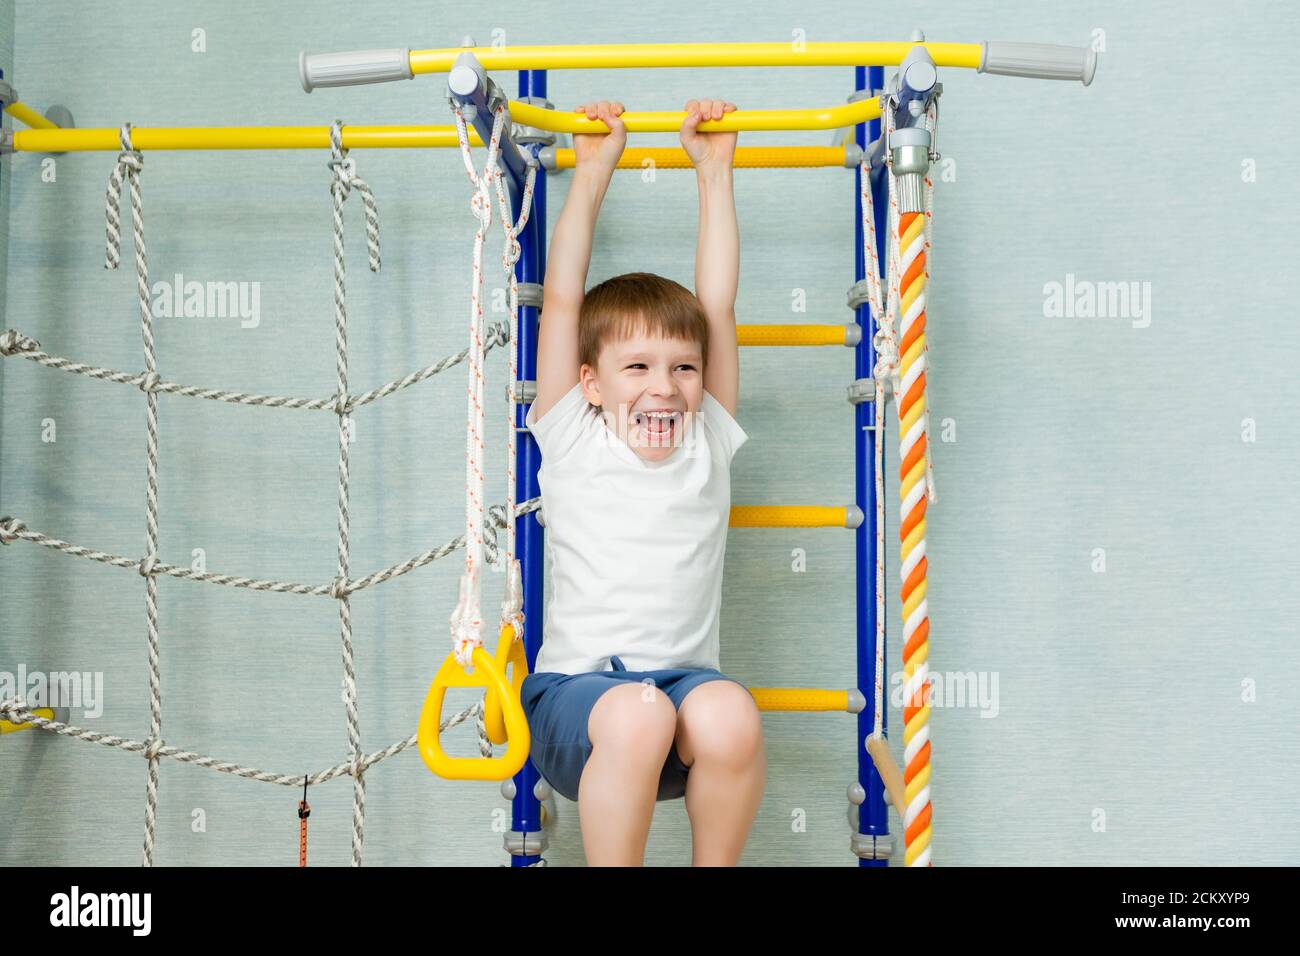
x=54, y=140
x=746, y=157
x=850, y=333
x=804, y=699
x=795, y=516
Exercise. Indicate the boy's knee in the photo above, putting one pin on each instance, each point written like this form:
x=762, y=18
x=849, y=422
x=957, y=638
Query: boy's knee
x=633, y=713
x=724, y=724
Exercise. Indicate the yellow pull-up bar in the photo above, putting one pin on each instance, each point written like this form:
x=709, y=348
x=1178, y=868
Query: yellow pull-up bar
x=50, y=139
x=615, y=56
x=1035, y=60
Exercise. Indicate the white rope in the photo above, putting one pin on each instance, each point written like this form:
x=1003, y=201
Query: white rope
x=513, y=602
x=341, y=186
x=466, y=620
x=886, y=367
x=932, y=121
x=130, y=163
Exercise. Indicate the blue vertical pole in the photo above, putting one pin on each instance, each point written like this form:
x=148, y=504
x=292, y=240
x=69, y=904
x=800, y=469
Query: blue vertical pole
x=873, y=818
x=531, y=267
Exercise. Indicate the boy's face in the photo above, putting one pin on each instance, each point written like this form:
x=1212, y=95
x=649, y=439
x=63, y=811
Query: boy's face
x=645, y=375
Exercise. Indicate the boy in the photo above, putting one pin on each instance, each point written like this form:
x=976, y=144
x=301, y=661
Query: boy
x=636, y=394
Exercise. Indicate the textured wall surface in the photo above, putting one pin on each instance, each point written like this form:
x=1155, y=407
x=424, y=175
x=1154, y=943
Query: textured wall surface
x=1111, y=552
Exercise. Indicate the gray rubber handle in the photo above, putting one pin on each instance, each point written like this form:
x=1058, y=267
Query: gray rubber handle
x=1040, y=61
x=354, y=68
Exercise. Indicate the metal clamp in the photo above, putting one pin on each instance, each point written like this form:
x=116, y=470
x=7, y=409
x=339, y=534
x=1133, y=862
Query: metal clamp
x=523, y=134
x=521, y=391
x=529, y=293
x=859, y=294
x=518, y=843
x=868, y=847
x=6, y=141
x=863, y=390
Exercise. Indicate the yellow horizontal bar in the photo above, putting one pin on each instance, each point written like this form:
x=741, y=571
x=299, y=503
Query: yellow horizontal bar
x=50, y=139
x=614, y=56
x=790, y=516
x=9, y=727
x=800, y=699
x=830, y=117
x=25, y=114
x=747, y=157
x=803, y=334
x=238, y=137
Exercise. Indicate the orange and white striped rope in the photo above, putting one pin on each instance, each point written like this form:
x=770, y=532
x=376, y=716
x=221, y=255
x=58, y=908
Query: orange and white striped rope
x=913, y=453
x=905, y=292
x=915, y=493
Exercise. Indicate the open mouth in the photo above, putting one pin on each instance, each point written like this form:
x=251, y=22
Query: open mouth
x=657, y=427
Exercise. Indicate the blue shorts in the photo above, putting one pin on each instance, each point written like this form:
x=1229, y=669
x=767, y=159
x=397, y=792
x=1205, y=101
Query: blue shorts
x=558, y=706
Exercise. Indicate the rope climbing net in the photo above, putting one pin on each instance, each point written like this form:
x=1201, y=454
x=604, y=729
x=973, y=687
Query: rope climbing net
x=482, y=523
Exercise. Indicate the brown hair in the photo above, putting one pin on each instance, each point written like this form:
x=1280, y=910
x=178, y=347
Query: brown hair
x=639, y=302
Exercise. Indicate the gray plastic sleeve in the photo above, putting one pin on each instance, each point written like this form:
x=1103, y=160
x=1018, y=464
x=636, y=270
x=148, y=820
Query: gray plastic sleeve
x=353, y=68
x=1042, y=61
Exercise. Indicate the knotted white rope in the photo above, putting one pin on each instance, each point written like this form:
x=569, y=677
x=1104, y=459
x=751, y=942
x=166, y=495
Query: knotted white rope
x=886, y=366
x=341, y=185
x=466, y=620
x=130, y=163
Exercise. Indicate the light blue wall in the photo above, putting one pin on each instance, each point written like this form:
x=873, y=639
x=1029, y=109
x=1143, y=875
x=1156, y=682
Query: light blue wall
x=1160, y=694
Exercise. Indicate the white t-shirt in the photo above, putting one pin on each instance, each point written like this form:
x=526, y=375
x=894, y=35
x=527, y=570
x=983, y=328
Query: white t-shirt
x=635, y=546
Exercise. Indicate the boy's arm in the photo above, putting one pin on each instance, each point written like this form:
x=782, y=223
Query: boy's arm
x=569, y=257
x=566, y=279
x=717, y=253
x=717, y=273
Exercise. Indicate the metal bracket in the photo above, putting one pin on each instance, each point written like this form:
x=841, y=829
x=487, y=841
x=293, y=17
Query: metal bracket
x=518, y=843
x=859, y=294
x=863, y=390
x=6, y=141
x=522, y=134
x=524, y=392
x=529, y=293
x=865, y=846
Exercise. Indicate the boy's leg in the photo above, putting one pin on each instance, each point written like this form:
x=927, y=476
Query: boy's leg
x=720, y=737
x=631, y=729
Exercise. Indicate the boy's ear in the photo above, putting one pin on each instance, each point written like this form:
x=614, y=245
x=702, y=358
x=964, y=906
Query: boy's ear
x=590, y=386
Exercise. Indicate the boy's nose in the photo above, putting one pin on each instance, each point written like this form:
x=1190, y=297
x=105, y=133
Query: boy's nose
x=665, y=384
